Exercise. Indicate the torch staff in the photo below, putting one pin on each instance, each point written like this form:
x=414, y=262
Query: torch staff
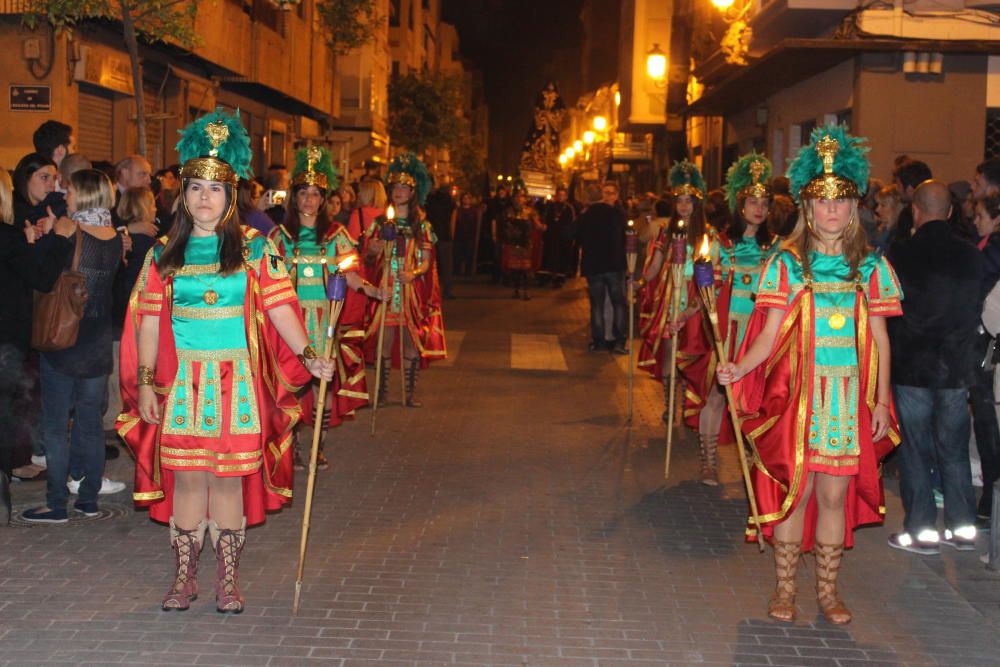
x=631, y=255
x=704, y=275
x=678, y=256
x=336, y=291
x=388, y=237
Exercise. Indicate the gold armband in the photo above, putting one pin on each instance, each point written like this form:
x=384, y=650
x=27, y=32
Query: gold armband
x=145, y=375
x=307, y=354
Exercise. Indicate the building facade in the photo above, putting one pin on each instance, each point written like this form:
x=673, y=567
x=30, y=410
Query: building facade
x=272, y=65
x=922, y=83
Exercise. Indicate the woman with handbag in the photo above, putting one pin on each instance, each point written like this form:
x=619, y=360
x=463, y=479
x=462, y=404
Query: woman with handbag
x=74, y=370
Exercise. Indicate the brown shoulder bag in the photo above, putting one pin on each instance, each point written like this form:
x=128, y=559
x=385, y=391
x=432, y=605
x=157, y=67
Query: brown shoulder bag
x=55, y=322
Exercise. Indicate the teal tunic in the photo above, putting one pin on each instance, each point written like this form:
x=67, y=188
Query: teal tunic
x=309, y=262
x=834, y=446
x=743, y=262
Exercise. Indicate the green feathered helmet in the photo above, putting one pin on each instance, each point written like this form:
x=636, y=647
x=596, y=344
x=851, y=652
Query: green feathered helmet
x=748, y=177
x=314, y=166
x=686, y=179
x=833, y=166
x=408, y=169
x=216, y=147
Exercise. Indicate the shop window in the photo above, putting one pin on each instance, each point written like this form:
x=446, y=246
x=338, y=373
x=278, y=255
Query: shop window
x=992, y=144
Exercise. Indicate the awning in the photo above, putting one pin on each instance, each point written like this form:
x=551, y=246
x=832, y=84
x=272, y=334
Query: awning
x=794, y=60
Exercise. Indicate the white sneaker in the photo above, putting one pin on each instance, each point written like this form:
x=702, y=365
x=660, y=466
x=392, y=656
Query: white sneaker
x=108, y=486
x=38, y=461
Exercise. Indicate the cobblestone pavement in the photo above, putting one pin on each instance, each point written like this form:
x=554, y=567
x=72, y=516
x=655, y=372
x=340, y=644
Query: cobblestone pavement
x=514, y=521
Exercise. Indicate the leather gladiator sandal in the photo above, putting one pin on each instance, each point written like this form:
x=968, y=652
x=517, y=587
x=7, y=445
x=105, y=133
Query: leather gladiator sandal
x=781, y=606
x=412, y=370
x=383, y=387
x=828, y=560
x=228, y=549
x=187, y=546
x=709, y=462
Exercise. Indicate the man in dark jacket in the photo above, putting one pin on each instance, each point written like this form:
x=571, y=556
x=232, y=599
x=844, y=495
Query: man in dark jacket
x=601, y=234
x=934, y=357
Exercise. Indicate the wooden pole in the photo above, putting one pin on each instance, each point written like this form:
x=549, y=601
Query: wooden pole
x=677, y=278
x=335, y=308
x=382, y=309
x=708, y=300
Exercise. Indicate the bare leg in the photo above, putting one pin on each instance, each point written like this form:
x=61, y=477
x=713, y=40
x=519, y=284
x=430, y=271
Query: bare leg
x=187, y=535
x=790, y=530
x=709, y=422
x=412, y=369
x=190, y=498
x=225, y=501
x=787, y=551
x=831, y=491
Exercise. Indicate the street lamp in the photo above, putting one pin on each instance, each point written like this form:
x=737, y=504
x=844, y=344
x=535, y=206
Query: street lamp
x=723, y=4
x=656, y=65
x=589, y=136
x=578, y=146
x=570, y=153
x=563, y=160
x=600, y=122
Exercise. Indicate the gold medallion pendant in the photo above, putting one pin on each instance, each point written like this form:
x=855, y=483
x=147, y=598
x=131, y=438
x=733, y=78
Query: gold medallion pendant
x=211, y=297
x=837, y=321
x=746, y=279
x=308, y=272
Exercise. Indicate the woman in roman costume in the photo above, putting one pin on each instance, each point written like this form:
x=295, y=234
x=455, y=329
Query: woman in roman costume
x=413, y=295
x=812, y=376
x=695, y=363
x=211, y=357
x=313, y=246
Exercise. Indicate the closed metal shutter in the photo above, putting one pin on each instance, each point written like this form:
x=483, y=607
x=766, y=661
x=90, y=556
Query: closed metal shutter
x=96, y=120
x=154, y=127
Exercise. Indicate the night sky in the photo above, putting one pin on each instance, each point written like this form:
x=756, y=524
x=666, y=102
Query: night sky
x=518, y=44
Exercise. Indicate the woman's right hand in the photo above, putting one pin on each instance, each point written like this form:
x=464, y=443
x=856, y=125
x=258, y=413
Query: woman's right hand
x=149, y=407
x=729, y=373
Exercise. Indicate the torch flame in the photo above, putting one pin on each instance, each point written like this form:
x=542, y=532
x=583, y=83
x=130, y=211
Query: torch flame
x=346, y=264
x=631, y=223
x=703, y=249
x=390, y=212
x=680, y=223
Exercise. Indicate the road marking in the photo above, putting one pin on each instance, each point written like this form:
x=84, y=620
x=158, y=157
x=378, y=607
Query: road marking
x=535, y=352
x=453, y=339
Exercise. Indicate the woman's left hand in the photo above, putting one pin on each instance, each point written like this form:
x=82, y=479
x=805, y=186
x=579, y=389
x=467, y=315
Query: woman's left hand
x=376, y=293
x=881, y=420
x=321, y=368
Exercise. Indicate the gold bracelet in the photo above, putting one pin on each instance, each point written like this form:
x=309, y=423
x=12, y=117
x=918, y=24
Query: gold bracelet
x=145, y=376
x=307, y=354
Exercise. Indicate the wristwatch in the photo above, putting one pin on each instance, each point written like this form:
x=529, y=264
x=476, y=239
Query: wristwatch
x=307, y=354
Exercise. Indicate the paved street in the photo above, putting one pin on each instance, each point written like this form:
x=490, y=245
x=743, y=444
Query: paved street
x=514, y=521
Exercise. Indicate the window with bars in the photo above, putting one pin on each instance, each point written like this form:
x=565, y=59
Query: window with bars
x=992, y=144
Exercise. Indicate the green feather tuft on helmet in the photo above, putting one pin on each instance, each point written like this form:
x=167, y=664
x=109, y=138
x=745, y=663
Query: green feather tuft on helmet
x=410, y=170
x=833, y=166
x=215, y=147
x=314, y=166
x=749, y=177
x=686, y=179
